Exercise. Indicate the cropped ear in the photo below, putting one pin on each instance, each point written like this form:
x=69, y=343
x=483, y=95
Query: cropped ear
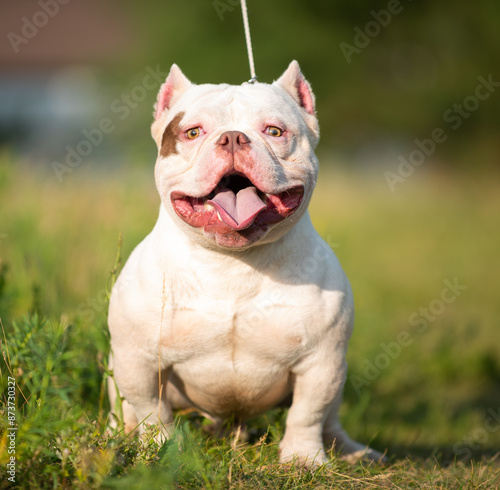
x=174, y=85
x=293, y=82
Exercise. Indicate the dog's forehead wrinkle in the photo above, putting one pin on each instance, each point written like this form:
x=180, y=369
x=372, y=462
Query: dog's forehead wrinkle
x=210, y=110
x=265, y=97
x=264, y=101
x=235, y=107
x=213, y=95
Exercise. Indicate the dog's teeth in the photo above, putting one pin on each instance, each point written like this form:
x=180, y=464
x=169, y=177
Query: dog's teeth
x=209, y=207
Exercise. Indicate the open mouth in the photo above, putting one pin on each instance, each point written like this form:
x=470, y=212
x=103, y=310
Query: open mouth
x=236, y=203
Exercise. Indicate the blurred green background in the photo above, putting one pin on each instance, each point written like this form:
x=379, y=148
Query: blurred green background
x=58, y=229
x=393, y=84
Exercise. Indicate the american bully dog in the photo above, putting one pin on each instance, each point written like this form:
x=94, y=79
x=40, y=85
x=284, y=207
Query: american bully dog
x=233, y=303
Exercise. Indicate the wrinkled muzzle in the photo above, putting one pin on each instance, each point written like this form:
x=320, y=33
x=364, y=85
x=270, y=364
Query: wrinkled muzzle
x=236, y=204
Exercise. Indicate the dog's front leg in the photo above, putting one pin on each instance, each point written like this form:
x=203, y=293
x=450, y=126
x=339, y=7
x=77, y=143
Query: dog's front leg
x=315, y=391
x=139, y=383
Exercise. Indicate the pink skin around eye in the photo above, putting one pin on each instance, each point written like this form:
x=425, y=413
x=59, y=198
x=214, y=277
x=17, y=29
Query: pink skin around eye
x=279, y=126
x=274, y=131
x=184, y=134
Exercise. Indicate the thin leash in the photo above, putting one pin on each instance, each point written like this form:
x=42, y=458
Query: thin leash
x=249, y=41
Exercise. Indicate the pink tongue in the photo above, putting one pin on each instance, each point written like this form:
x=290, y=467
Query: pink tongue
x=238, y=211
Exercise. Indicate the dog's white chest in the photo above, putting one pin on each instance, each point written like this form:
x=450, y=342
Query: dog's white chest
x=233, y=357
x=265, y=327
x=237, y=352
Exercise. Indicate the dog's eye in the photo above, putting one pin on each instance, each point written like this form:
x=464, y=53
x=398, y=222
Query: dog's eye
x=274, y=131
x=193, y=133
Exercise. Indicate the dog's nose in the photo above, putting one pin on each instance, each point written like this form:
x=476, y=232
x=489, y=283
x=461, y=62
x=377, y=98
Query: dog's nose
x=232, y=141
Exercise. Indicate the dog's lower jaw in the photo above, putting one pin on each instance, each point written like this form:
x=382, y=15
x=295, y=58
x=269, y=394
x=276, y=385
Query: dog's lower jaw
x=201, y=214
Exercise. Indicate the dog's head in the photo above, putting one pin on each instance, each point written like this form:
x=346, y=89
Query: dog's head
x=236, y=163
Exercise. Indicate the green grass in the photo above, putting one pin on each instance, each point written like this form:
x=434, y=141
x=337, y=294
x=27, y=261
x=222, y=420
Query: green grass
x=430, y=406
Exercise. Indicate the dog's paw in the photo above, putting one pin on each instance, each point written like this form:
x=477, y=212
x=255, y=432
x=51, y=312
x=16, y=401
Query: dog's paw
x=299, y=457
x=345, y=449
x=364, y=455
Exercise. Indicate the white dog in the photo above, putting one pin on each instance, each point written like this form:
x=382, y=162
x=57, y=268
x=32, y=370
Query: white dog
x=234, y=297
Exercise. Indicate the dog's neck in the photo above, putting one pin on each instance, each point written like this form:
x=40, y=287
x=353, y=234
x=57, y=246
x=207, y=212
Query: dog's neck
x=187, y=247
